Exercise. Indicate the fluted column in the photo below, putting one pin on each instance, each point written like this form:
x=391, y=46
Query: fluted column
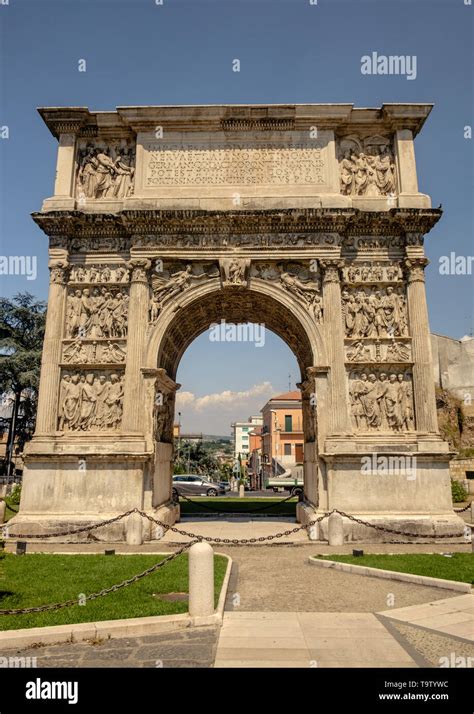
x=339, y=421
x=48, y=397
x=137, y=324
x=423, y=381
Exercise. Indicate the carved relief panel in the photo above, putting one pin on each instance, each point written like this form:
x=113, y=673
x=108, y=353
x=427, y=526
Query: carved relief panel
x=295, y=278
x=366, y=166
x=381, y=400
x=175, y=278
x=90, y=400
x=374, y=312
x=97, y=312
x=105, y=170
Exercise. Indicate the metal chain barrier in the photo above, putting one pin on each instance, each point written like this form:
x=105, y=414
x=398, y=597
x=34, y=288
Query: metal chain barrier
x=461, y=510
x=393, y=530
x=10, y=508
x=233, y=541
x=236, y=513
x=104, y=591
x=71, y=531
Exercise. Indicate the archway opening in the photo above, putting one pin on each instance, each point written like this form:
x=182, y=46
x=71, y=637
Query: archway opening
x=229, y=317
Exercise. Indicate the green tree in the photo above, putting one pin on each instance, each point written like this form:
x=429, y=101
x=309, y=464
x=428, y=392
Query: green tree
x=22, y=323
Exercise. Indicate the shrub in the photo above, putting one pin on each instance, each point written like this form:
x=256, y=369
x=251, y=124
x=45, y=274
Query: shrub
x=458, y=491
x=15, y=495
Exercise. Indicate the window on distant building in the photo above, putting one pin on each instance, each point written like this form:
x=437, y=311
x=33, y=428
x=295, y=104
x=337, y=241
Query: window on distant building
x=288, y=422
x=287, y=448
x=245, y=428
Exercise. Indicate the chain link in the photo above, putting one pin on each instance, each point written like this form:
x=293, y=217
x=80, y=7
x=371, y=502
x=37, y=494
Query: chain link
x=71, y=531
x=461, y=510
x=104, y=591
x=393, y=530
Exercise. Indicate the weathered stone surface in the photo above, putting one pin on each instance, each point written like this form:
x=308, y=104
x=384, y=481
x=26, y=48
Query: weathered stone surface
x=307, y=216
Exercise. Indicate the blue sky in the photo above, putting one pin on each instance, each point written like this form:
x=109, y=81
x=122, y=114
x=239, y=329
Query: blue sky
x=138, y=52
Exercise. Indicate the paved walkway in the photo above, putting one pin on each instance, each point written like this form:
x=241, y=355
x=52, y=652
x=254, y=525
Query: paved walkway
x=321, y=639
x=282, y=612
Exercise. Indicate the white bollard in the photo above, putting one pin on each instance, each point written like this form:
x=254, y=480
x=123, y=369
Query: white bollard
x=134, y=529
x=241, y=491
x=335, y=529
x=3, y=508
x=201, y=580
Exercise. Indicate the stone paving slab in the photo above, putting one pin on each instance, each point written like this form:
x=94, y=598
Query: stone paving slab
x=257, y=642
x=194, y=647
x=453, y=616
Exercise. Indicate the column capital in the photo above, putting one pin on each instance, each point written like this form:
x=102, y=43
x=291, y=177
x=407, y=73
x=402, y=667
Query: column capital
x=331, y=270
x=415, y=269
x=139, y=268
x=58, y=271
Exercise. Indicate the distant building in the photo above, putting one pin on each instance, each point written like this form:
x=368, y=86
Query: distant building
x=282, y=434
x=241, y=436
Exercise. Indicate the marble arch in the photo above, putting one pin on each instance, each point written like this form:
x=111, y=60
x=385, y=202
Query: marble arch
x=237, y=212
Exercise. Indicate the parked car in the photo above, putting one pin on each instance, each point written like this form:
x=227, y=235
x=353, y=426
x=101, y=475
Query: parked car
x=224, y=484
x=195, y=485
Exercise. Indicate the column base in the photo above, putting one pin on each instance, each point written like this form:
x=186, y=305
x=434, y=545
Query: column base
x=425, y=527
x=28, y=524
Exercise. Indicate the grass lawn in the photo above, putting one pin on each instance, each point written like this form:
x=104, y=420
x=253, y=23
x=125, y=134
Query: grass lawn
x=434, y=565
x=40, y=579
x=238, y=505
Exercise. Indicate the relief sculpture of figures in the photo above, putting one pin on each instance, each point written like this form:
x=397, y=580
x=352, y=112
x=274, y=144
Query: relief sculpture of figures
x=98, y=274
x=374, y=313
x=367, y=168
x=105, y=172
x=165, y=288
x=308, y=293
x=88, y=402
x=101, y=312
x=81, y=352
x=381, y=402
x=377, y=273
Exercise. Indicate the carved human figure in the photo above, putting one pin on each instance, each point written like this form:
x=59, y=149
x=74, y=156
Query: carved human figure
x=113, y=402
x=70, y=406
x=359, y=352
x=88, y=399
x=406, y=402
x=397, y=351
x=124, y=172
x=235, y=272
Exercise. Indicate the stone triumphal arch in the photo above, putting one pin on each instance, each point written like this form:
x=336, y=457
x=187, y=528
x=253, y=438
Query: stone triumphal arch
x=167, y=219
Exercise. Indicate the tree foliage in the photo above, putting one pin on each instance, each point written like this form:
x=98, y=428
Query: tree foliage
x=22, y=323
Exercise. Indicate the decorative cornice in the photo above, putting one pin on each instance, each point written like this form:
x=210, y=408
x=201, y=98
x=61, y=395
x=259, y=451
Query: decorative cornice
x=316, y=226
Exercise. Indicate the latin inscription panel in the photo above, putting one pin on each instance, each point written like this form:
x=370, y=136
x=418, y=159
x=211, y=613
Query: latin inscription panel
x=234, y=164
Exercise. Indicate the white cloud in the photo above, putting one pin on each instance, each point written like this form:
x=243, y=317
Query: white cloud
x=225, y=399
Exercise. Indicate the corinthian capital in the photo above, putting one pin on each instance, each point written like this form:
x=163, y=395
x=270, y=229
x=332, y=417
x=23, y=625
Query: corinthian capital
x=331, y=270
x=58, y=271
x=415, y=269
x=139, y=268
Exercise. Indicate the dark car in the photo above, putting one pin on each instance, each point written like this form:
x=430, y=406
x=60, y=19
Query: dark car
x=195, y=485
